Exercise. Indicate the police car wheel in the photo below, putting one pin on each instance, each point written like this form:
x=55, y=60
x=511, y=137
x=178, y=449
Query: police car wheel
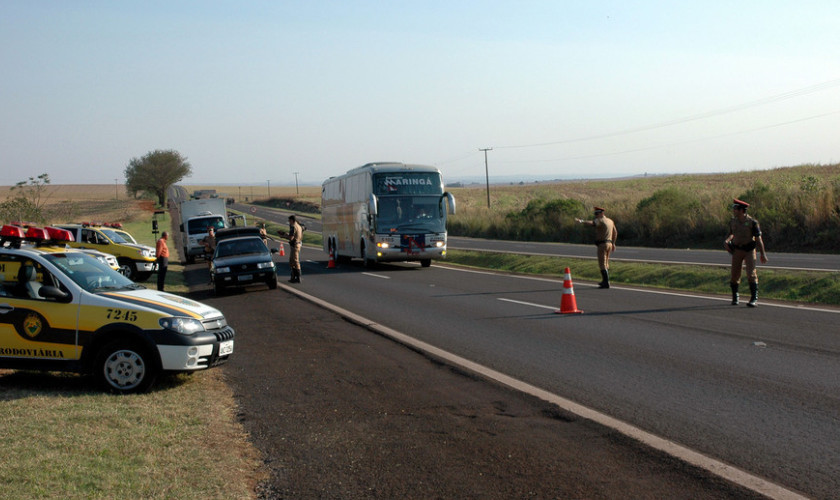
x=125, y=368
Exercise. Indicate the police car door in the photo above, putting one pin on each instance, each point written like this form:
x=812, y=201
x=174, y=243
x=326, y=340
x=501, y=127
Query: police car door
x=34, y=330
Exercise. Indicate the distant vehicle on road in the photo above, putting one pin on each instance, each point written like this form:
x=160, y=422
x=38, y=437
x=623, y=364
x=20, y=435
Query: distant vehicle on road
x=241, y=258
x=386, y=212
x=197, y=216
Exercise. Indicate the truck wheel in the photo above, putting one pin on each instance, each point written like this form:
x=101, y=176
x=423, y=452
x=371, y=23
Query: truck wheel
x=425, y=262
x=126, y=367
x=190, y=258
x=128, y=269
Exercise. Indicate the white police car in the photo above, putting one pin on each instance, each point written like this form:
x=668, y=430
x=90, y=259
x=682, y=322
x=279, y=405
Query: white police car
x=62, y=309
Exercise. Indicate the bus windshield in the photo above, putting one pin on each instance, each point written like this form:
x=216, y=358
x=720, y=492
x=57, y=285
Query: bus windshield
x=410, y=213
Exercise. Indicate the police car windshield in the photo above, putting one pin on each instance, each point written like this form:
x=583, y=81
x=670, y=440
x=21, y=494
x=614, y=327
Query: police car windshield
x=89, y=272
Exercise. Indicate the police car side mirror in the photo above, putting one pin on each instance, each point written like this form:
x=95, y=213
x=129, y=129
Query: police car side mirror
x=53, y=292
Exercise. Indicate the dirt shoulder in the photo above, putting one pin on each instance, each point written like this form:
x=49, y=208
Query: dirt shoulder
x=338, y=411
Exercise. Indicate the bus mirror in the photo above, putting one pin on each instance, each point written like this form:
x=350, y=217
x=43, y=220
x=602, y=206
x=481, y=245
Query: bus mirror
x=450, y=202
x=373, y=205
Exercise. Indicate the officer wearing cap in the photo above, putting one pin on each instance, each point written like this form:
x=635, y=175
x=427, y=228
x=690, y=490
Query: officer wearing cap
x=295, y=236
x=605, y=237
x=743, y=239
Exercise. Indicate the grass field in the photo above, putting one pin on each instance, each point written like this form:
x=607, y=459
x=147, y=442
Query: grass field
x=64, y=439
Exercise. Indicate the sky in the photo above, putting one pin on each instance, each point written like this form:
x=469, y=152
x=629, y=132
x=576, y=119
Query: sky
x=278, y=92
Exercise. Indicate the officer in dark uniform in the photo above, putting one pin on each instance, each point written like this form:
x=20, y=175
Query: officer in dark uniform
x=743, y=239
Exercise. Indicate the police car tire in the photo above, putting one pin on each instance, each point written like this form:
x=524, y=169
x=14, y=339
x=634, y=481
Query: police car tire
x=125, y=367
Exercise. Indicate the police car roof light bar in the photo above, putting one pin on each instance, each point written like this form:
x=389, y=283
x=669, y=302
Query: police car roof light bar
x=58, y=235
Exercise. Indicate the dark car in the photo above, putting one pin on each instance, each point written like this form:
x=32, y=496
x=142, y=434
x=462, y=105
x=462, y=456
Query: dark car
x=241, y=258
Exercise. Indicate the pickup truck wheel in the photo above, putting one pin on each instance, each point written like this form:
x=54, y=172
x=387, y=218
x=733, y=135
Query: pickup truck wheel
x=126, y=367
x=128, y=269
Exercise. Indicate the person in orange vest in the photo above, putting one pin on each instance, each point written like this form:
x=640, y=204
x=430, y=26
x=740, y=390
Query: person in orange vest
x=162, y=254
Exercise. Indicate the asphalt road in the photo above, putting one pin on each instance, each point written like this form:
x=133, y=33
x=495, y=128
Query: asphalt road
x=756, y=388
x=778, y=260
x=339, y=411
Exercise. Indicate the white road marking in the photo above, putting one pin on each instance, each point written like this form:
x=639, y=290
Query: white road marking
x=553, y=308
x=643, y=290
x=377, y=276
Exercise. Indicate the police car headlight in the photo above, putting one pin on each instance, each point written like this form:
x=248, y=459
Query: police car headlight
x=184, y=326
x=146, y=252
x=264, y=265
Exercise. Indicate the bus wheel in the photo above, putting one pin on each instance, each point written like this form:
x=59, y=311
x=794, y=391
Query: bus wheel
x=425, y=262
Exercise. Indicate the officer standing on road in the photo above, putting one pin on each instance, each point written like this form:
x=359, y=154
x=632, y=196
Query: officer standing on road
x=744, y=237
x=605, y=237
x=162, y=254
x=295, y=241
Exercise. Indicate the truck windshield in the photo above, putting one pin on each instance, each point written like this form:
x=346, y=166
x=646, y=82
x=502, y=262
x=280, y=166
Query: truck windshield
x=201, y=226
x=114, y=236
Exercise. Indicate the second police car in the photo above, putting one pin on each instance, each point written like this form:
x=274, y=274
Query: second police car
x=64, y=310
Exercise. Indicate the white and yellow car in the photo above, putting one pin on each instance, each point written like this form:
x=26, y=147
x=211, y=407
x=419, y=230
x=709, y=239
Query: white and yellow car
x=62, y=309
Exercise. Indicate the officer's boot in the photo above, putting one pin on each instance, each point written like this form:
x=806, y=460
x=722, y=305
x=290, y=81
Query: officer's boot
x=292, y=276
x=605, y=279
x=753, y=295
x=297, y=275
x=734, y=287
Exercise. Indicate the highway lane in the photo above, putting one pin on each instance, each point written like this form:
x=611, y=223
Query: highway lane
x=757, y=388
x=778, y=260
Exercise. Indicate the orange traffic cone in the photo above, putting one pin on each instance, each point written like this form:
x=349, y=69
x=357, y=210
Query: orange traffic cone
x=568, y=305
x=331, y=263
x=282, y=250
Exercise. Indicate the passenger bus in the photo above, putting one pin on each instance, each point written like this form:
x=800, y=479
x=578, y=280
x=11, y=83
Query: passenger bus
x=385, y=212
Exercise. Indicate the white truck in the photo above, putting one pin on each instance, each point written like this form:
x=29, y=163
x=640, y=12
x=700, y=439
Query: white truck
x=197, y=216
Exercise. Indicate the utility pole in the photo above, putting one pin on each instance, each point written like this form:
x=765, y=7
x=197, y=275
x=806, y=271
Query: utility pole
x=487, y=173
x=116, y=190
x=268, y=183
x=297, y=191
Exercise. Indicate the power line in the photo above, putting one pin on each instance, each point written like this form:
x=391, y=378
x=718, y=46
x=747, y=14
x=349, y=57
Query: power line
x=760, y=102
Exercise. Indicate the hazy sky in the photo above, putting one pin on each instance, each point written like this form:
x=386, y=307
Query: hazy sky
x=252, y=92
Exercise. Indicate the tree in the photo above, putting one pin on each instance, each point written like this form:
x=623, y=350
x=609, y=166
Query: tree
x=155, y=172
x=28, y=203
